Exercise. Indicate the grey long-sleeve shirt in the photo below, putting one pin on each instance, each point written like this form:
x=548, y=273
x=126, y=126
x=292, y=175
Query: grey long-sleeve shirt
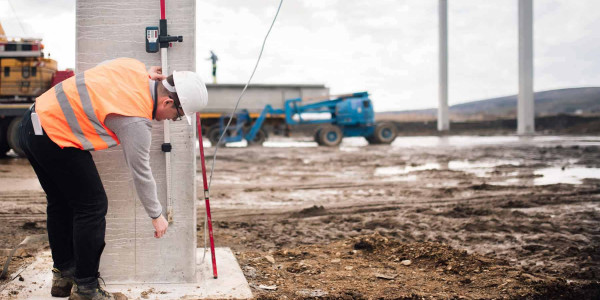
x=135, y=135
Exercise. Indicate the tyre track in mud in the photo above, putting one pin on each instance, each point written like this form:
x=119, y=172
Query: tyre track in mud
x=378, y=206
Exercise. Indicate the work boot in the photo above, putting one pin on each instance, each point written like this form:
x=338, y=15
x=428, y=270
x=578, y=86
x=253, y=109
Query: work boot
x=62, y=281
x=90, y=289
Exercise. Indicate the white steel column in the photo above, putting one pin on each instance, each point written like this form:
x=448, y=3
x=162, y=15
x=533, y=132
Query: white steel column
x=526, y=113
x=443, y=123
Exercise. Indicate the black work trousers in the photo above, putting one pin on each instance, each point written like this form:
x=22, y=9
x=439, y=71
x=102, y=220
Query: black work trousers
x=77, y=202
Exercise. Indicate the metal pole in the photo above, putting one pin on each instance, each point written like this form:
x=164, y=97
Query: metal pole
x=526, y=113
x=443, y=120
x=166, y=125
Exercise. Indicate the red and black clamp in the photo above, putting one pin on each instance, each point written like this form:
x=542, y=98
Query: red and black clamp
x=164, y=39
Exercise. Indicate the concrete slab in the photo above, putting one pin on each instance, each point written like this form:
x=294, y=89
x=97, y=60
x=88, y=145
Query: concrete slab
x=231, y=284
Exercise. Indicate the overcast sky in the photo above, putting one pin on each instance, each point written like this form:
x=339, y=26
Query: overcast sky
x=386, y=47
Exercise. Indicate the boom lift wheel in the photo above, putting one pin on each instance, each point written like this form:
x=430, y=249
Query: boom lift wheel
x=259, y=139
x=317, y=136
x=214, y=133
x=385, y=133
x=205, y=130
x=4, y=147
x=371, y=140
x=13, y=136
x=330, y=135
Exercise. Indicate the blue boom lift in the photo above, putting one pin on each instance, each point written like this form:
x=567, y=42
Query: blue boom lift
x=344, y=116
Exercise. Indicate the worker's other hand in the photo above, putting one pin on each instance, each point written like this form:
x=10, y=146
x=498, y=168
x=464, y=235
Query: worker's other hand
x=160, y=226
x=155, y=73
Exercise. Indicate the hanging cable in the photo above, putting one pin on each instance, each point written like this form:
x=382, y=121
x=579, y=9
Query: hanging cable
x=212, y=168
x=17, y=16
x=241, y=95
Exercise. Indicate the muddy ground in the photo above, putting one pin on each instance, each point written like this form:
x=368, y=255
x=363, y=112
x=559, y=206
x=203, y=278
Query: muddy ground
x=457, y=217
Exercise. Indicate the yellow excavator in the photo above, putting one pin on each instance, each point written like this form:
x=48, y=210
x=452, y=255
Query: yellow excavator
x=24, y=74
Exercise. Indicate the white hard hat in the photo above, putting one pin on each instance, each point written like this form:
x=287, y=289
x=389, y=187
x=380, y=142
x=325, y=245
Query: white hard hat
x=191, y=91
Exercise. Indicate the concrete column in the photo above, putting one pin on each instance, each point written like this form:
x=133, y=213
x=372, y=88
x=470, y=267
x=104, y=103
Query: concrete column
x=526, y=112
x=107, y=29
x=443, y=123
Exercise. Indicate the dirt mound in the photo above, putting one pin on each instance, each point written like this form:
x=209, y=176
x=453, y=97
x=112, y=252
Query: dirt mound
x=377, y=267
x=485, y=186
x=430, y=254
x=310, y=212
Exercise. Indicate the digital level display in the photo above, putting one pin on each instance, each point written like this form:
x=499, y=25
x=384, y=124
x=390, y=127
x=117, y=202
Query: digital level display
x=152, y=45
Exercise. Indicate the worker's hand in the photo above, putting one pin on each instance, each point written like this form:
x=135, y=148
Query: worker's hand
x=160, y=226
x=155, y=73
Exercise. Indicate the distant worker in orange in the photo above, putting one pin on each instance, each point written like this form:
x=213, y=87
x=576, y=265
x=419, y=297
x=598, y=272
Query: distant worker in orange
x=110, y=104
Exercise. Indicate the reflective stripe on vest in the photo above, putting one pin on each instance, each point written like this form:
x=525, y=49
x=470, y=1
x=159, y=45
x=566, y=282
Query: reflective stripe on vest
x=70, y=116
x=73, y=112
x=86, y=102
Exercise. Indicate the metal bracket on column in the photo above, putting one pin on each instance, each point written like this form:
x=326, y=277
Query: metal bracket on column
x=164, y=39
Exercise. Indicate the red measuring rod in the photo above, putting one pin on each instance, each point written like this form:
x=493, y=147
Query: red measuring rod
x=206, y=197
x=162, y=9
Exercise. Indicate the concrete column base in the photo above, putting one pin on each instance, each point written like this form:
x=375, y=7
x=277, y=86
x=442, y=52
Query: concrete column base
x=231, y=284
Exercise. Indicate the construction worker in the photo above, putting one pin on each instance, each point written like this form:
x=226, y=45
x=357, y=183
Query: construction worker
x=213, y=57
x=110, y=104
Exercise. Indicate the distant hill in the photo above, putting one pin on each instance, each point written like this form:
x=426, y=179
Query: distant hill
x=561, y=101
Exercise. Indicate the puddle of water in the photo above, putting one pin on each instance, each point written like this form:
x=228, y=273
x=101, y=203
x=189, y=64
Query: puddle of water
x=389, y=171
x=573, y=175
x=479, y=169
x=408, y=178
x=553, y=175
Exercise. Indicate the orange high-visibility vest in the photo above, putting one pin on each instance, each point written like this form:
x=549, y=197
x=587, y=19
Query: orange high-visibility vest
x=72, y=113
